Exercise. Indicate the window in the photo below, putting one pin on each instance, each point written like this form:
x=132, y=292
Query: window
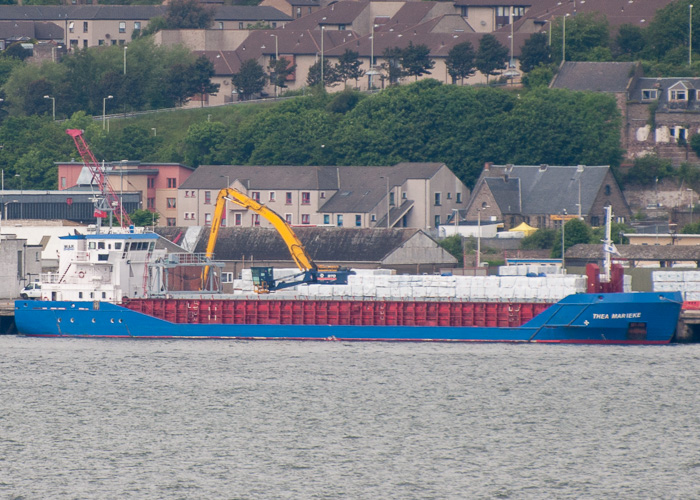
x=71, y=27
x=240, y=26
x=437, y=220
x=207, y=197
x=137, y=25
x=648, y=95
x=323, y=195
x=339, y=218
x=272, y=196
x=459, y=198
x=100, y=42
x=255, y=195
x=358, y=221
x=221, y=25
x=122, y=27
x=438, y=199
x=85, y=27
x=305, y=219
x=151, y=182
x=373, y=218
x=207, y=219
x=63, y=182
x=607, y=190
x=465, y=11
x=288, y=198
x=172, y=182
x=298, y=12
x=171, y=203
x=678, y=95
x=502, y=16
x=449, y=196
x=341, y=27
x=404, y=195
x=151, y=203
x=326, y=219
x=288, y=218
x=187, y=216
x=237, y=220
x=171, y=221
x=255, y=219
x=305, y=198
x=85, y=44
x=227, y=277
x=391, y=199
x=682, y=134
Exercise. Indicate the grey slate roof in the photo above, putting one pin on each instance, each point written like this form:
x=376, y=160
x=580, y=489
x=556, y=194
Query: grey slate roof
x=263, y=177
x=361, y=188
x=322, y=244
x=131, y=12
x=637, y=252
x=543, y=190
x=594, y=76
x=662, y=85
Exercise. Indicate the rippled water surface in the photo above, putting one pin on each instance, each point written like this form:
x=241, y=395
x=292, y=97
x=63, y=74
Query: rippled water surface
x=225, y=419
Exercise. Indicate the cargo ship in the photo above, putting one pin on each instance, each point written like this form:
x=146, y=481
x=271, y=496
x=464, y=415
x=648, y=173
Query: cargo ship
x=120, y=285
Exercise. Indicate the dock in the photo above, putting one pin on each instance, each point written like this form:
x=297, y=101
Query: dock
x=7, y=317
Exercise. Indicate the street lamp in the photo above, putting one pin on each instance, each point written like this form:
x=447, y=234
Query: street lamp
x=371, y=71
x=277, y=56
x=104, y=106
x=563, y=224
x=53, y=105
x=563, y=38
x=388, y=205
x=125, y=47
x=323, y=29
x=690, y=203
x=690, y=34
x=478, y=234
x=21, y=196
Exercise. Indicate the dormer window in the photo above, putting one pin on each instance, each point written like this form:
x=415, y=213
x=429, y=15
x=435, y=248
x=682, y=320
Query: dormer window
x=678, y=95
x=650, y=94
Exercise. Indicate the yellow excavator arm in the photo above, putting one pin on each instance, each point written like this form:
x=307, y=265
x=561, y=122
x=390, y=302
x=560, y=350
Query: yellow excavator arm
x=296, y=249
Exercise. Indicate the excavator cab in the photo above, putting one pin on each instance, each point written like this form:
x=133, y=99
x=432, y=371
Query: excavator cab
x=263, y=279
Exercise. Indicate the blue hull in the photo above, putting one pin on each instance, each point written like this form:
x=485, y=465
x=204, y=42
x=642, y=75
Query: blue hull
x=618, y=318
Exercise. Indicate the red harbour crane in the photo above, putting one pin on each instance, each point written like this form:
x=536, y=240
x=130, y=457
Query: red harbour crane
x=110, y=197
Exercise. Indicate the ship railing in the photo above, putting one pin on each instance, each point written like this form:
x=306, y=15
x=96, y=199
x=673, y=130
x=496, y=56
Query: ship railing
x=186, y=258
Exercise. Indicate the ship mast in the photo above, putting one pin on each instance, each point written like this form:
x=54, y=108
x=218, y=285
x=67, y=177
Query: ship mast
x=607, y=243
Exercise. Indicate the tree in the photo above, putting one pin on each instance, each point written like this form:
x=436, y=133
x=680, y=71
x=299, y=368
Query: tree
x=587, y=38
x=535, y=52
x=143, y=218
x=249, y=80
x=453, y=244
x=188, y=14
x=539, y=240
x=17, y=51
x=280, y=69
x=575, y=231
x=348, y=67
x=538, y=77
x=648, y=168
x=668, y=30
x=630, y=40
x=460, y=61
x=392, y=64
x=201, y=74
x=330, y=76
x=491, y=57
x=415, y=60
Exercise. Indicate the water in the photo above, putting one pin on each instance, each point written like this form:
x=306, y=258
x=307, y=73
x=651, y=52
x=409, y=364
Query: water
x=224, y=419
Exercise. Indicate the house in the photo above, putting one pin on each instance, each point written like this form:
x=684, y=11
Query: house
x=543, y=195
x=20, y=264
x=416, y=195
x=156, y=184
x=293, y=8
x=404, y=250
x=93, y=25
x=486, y=16
x=674, y=104
x=615, y=78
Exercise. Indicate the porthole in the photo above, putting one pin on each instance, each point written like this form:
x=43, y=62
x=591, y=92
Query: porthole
x=58, y=320
x=93, y=320
x=111, y=320
x=120, y=320
x=72, y=320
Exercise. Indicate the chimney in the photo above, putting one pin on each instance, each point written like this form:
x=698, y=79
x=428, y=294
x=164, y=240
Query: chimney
x=543, y=167
x=487, y=165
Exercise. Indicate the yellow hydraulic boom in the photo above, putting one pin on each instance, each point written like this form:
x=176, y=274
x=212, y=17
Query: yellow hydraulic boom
x=296, y=248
